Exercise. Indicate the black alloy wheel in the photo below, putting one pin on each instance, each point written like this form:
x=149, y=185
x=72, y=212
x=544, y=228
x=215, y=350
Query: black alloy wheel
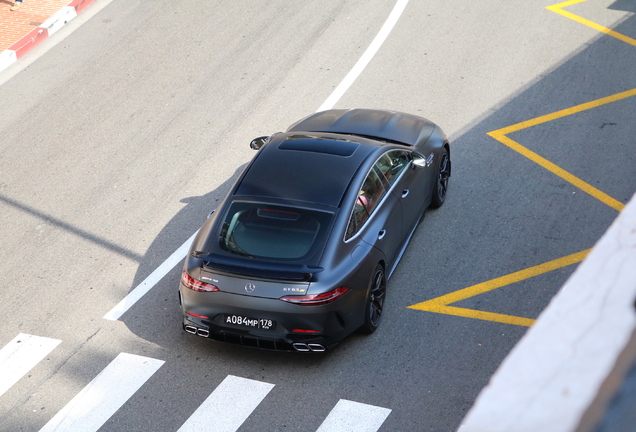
x=441, y=181
x=375, y=301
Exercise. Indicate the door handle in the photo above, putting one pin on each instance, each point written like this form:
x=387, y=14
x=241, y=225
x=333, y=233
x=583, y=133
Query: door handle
x=405, y=192
x=381, y=234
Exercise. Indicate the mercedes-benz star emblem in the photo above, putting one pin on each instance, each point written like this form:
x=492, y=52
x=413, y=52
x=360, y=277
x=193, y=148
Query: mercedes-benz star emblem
x=250, y=287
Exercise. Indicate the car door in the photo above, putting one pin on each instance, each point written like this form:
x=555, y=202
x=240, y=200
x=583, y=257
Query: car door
x=408, y=182
x=377, y=216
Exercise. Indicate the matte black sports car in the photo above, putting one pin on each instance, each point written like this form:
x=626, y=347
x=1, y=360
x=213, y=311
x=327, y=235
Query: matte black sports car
x=298, y=254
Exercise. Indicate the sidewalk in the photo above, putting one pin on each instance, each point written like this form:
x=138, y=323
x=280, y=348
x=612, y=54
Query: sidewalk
x=24, y=29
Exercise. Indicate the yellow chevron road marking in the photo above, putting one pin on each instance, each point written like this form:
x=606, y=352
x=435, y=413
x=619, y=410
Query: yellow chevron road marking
x=558, y=8
x=441, y=304
x=501, y=136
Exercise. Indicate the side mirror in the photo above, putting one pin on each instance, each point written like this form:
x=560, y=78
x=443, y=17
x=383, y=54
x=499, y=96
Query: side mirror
x=418, y=160
x=259, y=142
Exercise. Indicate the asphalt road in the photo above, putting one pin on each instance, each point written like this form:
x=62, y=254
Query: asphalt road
x=119, y=139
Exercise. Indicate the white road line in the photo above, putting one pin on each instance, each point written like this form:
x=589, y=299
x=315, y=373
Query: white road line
x=229, y=405
x=115, y=313
x=344, y=85
x=103, y=396
x=354, y=417
x=20, y=355
x=366, y=57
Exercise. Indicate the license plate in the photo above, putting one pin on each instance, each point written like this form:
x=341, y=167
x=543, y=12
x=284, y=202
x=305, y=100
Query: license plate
x=257, y=323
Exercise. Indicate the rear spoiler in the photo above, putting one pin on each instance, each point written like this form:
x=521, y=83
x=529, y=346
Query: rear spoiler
x=260, y=269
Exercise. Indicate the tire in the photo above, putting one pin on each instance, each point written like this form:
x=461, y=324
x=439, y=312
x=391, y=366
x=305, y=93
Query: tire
x=375, y=301
x=441, y=179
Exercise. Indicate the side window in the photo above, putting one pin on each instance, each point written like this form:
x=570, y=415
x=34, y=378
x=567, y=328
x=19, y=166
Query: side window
x=369, y=197
x=391, y=164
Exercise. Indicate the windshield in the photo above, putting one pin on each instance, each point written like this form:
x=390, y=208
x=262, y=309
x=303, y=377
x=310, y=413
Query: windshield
x=258, y=230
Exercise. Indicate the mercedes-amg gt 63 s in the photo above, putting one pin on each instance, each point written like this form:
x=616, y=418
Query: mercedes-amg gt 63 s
x=298, y=254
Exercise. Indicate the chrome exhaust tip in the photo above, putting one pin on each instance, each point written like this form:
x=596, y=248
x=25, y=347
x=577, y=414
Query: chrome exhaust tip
x=190, y=329
x=316, y=347
x=203, y=332
x=301, y=347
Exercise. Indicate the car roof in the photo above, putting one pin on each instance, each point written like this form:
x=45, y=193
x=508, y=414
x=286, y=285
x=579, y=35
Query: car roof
x=312, y=168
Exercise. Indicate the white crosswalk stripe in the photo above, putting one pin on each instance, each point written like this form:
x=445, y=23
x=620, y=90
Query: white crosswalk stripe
x=103, y=396
x=354, y=417
x=20, y=355
x=224, y=410
x=229, y=405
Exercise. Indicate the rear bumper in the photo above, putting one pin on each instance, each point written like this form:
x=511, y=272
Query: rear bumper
x=297, y=328
x=317, y=344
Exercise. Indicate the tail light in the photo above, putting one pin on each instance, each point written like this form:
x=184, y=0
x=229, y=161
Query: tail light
x=317, y=299
x=196, y=285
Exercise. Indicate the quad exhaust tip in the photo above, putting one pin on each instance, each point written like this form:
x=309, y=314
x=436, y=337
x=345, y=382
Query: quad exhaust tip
x=197, y=331
x=303, y=347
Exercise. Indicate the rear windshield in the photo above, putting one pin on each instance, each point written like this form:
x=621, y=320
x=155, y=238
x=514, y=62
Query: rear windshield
x=266, y=231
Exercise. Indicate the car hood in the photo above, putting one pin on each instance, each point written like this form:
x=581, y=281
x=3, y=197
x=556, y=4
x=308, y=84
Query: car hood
x=387, y=125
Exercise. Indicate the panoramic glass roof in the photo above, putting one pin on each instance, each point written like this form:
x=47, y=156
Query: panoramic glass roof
x=303, y=168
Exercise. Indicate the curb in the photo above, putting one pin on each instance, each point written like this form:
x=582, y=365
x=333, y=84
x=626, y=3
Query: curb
x=43, y=31
x=564, y=371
